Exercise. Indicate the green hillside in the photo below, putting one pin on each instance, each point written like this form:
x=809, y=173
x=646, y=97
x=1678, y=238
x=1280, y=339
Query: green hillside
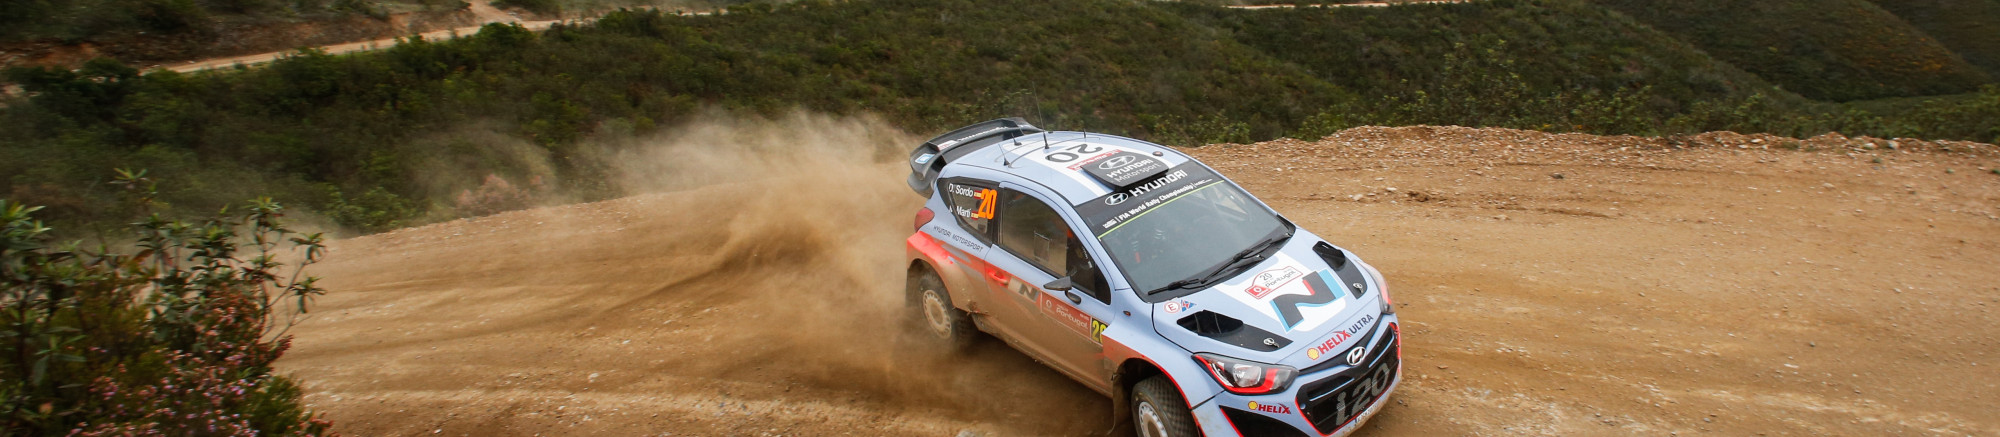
x=1835, y=50
x=1969, y=27
x=360, y=138
x=1547, y=64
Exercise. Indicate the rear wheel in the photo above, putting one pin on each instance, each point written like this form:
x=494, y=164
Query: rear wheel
x=941, y=322
x=1158, y=410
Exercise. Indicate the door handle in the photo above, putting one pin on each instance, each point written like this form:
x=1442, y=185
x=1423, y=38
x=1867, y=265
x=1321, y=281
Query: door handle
x=1074, y=298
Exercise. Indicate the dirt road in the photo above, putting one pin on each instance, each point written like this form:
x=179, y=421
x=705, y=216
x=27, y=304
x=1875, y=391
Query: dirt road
x=1549, y=285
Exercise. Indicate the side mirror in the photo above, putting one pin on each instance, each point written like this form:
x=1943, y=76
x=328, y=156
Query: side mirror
x=1060, y=284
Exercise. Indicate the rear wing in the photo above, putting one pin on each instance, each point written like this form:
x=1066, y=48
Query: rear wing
x=930, y=157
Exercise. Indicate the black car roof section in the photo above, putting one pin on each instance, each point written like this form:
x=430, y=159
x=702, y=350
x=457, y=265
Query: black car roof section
x=965, y=140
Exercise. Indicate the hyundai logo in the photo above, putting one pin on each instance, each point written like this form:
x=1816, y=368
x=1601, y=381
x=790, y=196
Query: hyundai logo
x=1115, y=162
x=1115, y=198
x=1354, y=356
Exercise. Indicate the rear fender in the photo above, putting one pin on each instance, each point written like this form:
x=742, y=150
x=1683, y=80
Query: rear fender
x=928, y=255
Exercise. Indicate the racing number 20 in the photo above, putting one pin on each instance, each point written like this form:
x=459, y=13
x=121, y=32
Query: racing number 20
x=1071, y=153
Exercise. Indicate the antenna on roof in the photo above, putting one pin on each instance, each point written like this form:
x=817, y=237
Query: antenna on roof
x=1003, y=154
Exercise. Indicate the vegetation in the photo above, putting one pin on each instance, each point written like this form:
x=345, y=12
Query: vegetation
x=77, y=20
x=1837, y=50
x=174, y=336
x=431, y=130
x=1969, y=27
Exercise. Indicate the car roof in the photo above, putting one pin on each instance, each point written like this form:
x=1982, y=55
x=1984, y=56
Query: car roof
x=1052, y=159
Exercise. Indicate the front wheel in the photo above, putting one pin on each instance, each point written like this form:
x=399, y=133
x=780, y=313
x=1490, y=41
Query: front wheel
x=945, y=324
x=1159, y=411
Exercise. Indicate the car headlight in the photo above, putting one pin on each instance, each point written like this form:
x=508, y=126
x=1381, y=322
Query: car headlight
x=1381, y=286
x=1247, y=377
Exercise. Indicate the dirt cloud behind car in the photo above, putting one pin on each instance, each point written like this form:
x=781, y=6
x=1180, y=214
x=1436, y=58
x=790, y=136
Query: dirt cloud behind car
x=751, y=287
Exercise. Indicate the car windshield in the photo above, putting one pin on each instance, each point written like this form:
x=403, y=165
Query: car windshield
x=1189, y=235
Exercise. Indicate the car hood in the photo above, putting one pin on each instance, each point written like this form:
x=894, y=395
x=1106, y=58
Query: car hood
x=1293, y=308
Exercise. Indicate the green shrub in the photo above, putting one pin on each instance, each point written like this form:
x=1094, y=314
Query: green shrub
x=544, y=7
x=173, y=336
x=1837, y=50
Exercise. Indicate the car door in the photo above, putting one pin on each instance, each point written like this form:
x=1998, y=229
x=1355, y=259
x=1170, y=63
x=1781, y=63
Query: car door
x=996, y=295
x=1036, y=244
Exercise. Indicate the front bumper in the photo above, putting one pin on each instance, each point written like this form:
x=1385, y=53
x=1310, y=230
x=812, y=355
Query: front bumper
x=1330, y=402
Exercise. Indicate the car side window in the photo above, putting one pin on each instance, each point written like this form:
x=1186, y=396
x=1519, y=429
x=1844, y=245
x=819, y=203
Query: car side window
x=973, y=203
x=1084, y=274
x=1034, y=231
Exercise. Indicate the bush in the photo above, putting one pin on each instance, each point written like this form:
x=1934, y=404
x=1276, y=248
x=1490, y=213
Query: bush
x=174, y=337
x=544, y=7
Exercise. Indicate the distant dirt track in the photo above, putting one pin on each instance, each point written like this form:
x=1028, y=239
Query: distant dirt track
x=1707, y=285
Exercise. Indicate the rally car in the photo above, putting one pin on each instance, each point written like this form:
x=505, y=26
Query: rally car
x=1148, y=277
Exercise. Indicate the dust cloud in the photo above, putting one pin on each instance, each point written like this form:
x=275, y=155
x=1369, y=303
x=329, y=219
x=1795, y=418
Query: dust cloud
x=750, y=280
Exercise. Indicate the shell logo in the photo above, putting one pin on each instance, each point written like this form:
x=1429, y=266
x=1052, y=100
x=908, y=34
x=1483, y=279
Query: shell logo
x=1312, y=354
x=1269, y=408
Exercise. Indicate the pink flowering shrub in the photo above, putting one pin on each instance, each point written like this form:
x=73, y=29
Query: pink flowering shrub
x=174, y=338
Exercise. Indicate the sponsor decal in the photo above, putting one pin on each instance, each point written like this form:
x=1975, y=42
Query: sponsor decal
x=1124, y=168
x=1176, y=306
x=1069, y=316
x=1021, y=288
x=1323, y=348
x=1280, y=293
x=1289, y=306
x=1115, y=163
x=1271, y=408
x=1093, y=159
x=954, y=237
x=924, y=158
x=1112, y=209
x=1155, y=201
x=987, y=197
x=1269, y=280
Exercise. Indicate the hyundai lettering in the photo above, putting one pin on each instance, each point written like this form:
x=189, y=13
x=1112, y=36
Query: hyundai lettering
x=1149, y=277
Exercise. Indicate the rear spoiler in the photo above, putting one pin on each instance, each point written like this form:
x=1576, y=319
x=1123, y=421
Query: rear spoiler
x=930, y=157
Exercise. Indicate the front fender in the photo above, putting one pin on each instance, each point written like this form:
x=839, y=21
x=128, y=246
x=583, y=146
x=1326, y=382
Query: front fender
x=1136, y=343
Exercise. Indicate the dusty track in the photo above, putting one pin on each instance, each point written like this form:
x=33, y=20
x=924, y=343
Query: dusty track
x=1708, y=285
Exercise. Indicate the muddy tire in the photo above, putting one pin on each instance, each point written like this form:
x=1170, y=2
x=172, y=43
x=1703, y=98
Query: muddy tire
x=947, y=326
x=1158, y=410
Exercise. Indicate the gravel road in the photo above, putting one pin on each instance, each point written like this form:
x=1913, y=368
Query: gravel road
x=1718, y=284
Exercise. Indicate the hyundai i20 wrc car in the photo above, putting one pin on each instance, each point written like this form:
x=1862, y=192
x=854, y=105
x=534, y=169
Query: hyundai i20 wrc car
x=1148, y=277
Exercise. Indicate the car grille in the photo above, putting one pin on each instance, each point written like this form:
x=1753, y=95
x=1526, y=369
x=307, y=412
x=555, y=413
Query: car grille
x=1332, y=402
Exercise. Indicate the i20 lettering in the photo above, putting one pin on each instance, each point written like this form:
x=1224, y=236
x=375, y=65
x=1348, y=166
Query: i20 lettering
x=1354, y=400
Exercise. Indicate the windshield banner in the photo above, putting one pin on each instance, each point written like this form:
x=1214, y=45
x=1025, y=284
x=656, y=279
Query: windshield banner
x=1107, y=212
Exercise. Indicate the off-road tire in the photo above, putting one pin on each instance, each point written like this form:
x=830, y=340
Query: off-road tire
x=1158, y=410
x=940, y=322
